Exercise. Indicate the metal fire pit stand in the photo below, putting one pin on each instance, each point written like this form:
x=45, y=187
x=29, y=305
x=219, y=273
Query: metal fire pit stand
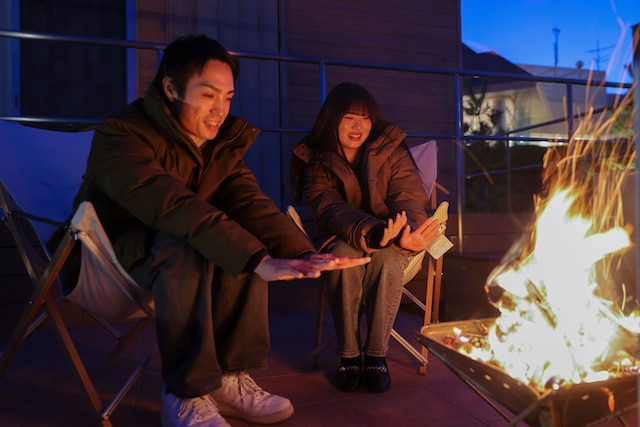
x=570, y=405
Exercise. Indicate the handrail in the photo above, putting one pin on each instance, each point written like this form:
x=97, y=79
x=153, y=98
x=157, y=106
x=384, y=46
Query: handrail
x=30, y=35
x=458, y=136
x=317, y=60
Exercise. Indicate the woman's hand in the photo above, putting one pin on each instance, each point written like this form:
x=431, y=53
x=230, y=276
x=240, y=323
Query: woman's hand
x=393, y=228
x=419, y=238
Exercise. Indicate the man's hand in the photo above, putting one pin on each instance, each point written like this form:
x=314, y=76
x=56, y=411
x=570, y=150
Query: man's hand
x=419, y=238
x=310, y=266
x=338, y=262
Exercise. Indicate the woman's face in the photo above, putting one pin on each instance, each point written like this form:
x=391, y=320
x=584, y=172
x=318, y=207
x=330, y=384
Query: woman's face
x=353, y=131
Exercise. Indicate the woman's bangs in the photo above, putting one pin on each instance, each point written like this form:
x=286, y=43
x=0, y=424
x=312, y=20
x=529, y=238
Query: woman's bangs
x=359, y=106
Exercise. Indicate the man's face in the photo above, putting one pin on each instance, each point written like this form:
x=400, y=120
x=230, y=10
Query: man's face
x=206, y=101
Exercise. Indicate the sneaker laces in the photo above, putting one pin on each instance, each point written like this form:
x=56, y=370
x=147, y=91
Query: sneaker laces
x=246, y=385
x=202, y=407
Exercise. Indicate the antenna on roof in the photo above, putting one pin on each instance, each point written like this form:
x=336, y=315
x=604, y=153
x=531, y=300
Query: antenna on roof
x=556, y=31
x=597, y=51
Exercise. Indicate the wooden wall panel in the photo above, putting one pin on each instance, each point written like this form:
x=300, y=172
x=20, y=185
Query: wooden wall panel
x=72, y=79
x=423, y=33
x=151, y=26
x=244, y=25
x=271, y=95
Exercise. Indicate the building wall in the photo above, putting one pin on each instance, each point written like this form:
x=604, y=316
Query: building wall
x=272, y=95
x=72, y=80
x=555, y=96
x=413, y=33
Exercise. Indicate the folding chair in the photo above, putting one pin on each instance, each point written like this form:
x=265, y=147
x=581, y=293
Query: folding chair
x=425, y=156
x=103, y=289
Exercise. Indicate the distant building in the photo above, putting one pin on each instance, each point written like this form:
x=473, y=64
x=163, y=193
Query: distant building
x=554, y=97
x=525, y=107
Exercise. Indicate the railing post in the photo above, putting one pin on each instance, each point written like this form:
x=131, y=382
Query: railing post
x=569, y=111
x=509, y=176
x=461, y=176
x=636, y=136
x=323, y=81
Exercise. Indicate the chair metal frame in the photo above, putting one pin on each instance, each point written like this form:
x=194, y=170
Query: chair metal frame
x=43, y=272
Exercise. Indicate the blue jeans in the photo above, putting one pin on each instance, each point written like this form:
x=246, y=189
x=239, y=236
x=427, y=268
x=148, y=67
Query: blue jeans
x=375, y=289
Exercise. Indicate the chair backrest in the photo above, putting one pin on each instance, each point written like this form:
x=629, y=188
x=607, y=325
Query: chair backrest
x=33, y=255
x=43, y=169
x=426, y=157
x=104, y=288
x=292, y=213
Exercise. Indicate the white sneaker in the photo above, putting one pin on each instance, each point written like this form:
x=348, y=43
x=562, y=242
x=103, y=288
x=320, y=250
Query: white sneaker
x=197, y=412
x=240, y=397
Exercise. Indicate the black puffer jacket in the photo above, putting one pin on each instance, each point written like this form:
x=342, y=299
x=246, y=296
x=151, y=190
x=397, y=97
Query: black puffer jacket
x=336, y=200
x=144, y=175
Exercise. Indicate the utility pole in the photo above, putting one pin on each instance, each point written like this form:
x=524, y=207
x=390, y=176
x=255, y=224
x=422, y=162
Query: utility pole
x=556, y=31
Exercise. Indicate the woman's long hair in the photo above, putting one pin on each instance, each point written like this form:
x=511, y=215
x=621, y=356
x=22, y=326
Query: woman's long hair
x=345, y=98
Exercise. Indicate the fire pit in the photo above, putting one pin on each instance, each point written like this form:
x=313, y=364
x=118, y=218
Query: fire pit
x=561, y=405
x=564, y=350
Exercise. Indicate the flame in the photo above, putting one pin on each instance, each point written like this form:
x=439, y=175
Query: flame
x=564, y=314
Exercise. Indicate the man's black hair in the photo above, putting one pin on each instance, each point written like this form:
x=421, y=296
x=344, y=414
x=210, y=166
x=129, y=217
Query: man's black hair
x=187, y=56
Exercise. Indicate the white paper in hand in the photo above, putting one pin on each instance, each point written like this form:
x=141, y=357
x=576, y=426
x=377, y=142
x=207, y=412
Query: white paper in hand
x=440, y=244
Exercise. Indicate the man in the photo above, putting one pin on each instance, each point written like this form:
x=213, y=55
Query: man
x=188, y=220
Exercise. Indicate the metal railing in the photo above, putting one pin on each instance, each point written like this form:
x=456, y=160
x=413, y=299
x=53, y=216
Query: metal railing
x=458, y=75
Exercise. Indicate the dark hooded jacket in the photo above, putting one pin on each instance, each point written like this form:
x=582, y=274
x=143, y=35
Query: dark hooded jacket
x=144, y=175
x=341, y=207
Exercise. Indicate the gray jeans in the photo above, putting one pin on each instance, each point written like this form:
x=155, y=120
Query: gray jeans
x=375, y=289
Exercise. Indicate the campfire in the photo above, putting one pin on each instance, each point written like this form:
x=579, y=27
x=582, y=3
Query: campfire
x=559, y=289
x=564, y=349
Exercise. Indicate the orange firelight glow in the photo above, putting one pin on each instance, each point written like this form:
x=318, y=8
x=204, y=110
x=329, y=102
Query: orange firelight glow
x=565, y=316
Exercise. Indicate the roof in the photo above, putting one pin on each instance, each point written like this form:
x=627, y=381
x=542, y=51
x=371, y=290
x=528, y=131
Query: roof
x=491, y=61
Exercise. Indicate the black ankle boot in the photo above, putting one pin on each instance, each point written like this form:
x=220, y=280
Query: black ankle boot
x=376, y=374
x=349, y=373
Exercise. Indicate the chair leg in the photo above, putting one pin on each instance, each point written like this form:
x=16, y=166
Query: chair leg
x=437, y=289
x=318, y=344
x=124, y=341
x=315, y=354
x=40, y=298
x=429, y=303
x=40, y=294
x=434, y=287
x=415, y=353
x=72, y=353
x=103, y=411
x=109, y=408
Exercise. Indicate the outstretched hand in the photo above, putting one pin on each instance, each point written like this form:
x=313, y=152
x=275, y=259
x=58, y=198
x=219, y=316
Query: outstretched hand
x=311, y=266
x=419, y=238
x=393, y=228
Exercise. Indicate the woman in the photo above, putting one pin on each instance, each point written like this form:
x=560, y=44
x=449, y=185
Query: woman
x=363, y=189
